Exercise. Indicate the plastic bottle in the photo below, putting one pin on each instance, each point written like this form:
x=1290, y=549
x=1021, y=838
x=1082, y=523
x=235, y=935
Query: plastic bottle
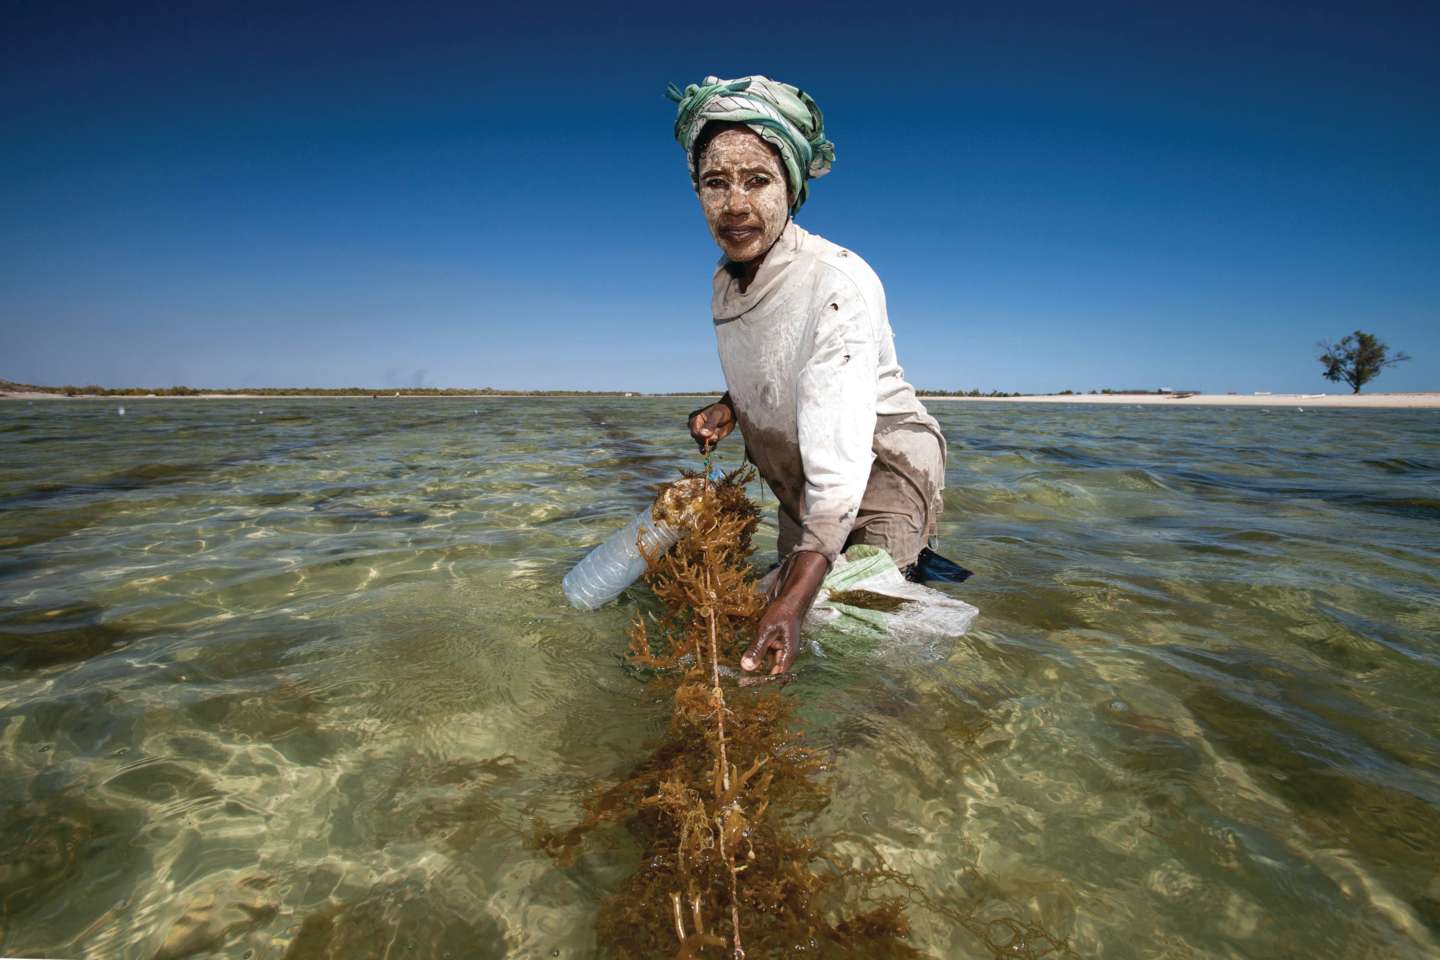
x=617, y=563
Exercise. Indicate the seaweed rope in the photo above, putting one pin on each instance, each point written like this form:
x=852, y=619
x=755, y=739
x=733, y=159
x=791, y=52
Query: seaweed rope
x=717, y=701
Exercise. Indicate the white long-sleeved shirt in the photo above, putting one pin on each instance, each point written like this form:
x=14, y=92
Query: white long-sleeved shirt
x=809, y=360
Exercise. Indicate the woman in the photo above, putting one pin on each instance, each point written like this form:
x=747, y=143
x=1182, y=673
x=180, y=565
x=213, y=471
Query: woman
x=807, y=351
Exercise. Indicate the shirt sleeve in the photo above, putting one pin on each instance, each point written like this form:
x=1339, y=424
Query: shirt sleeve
x=835, y=411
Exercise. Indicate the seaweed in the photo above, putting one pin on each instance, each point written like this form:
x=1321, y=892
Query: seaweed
x=716, y=806
x=868, y=600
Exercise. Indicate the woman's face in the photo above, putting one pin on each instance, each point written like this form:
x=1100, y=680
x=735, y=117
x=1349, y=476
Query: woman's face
x=743, y=193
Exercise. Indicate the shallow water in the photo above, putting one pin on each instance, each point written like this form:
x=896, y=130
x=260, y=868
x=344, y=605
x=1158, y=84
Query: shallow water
x=283, y=673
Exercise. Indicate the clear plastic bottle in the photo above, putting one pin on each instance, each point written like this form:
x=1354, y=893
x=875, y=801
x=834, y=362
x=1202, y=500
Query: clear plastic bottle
x=617, y=563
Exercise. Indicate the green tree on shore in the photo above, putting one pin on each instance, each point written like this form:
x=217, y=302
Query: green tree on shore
x=1357, y=359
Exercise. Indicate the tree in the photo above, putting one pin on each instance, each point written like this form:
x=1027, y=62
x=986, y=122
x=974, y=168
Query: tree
x=1357, y=359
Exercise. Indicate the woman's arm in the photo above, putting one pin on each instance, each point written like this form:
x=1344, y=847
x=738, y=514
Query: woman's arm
x=777, y=635
x=835, y=409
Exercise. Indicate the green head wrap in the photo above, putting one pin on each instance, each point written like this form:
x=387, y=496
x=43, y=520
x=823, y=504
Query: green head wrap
x=781, y=114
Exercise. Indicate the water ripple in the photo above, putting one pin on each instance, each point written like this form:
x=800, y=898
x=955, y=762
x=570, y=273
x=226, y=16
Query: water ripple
x=295, y=678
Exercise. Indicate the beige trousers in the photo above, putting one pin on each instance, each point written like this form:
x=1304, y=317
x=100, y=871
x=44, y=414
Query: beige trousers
x=902, y=499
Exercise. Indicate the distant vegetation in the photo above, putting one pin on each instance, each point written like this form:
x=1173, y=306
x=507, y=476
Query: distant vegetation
x=94, y=390
x=966, y=393
x=1357, y=359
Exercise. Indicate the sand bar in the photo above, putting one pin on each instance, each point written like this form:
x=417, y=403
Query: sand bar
x=1396, y=401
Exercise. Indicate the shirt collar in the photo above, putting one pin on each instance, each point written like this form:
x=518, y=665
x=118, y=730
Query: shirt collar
x=727, y=302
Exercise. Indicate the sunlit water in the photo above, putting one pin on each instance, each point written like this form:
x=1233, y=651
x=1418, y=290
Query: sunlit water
x=283, y=673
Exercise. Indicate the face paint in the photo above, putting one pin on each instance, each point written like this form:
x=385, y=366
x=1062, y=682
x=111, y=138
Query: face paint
x=743, y=193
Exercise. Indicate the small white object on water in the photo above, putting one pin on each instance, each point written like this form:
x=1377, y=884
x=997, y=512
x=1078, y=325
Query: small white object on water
x=120, y=410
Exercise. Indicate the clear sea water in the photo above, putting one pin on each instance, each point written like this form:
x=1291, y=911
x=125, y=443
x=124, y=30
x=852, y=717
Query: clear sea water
x=282, y=677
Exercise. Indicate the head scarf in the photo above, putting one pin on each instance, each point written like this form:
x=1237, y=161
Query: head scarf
x=781, y=114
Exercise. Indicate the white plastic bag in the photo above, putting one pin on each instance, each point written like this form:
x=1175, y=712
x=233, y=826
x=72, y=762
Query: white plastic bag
x=924, y=620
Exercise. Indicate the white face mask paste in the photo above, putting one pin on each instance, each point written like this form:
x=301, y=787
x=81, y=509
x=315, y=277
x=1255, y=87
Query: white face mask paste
x=743, y=193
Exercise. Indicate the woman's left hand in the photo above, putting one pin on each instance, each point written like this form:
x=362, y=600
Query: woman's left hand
x=777, y=635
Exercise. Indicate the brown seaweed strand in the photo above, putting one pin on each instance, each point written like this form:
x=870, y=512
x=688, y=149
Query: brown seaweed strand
x=679, y=920
x=717, y=694
x=718, y=697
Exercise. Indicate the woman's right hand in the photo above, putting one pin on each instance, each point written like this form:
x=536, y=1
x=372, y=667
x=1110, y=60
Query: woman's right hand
x=709, y=425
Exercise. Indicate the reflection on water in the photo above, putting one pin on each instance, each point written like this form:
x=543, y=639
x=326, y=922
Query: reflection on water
x=297, y=683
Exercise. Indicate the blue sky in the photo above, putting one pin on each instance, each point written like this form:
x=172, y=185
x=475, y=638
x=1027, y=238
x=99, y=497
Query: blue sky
x=446, y=195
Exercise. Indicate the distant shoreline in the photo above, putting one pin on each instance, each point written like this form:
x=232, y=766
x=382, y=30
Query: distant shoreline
x=39, y=395
x=377, y=395
x=1393, y=401
x=1427, y=400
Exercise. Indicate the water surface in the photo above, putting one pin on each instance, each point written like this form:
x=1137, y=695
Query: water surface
x=289, y=672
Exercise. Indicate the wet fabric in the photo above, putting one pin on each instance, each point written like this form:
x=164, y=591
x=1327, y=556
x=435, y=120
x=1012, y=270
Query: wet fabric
x=901, y=504
x=780, y=113
x=930, y=567
x=819, y=396
x=902, y=499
